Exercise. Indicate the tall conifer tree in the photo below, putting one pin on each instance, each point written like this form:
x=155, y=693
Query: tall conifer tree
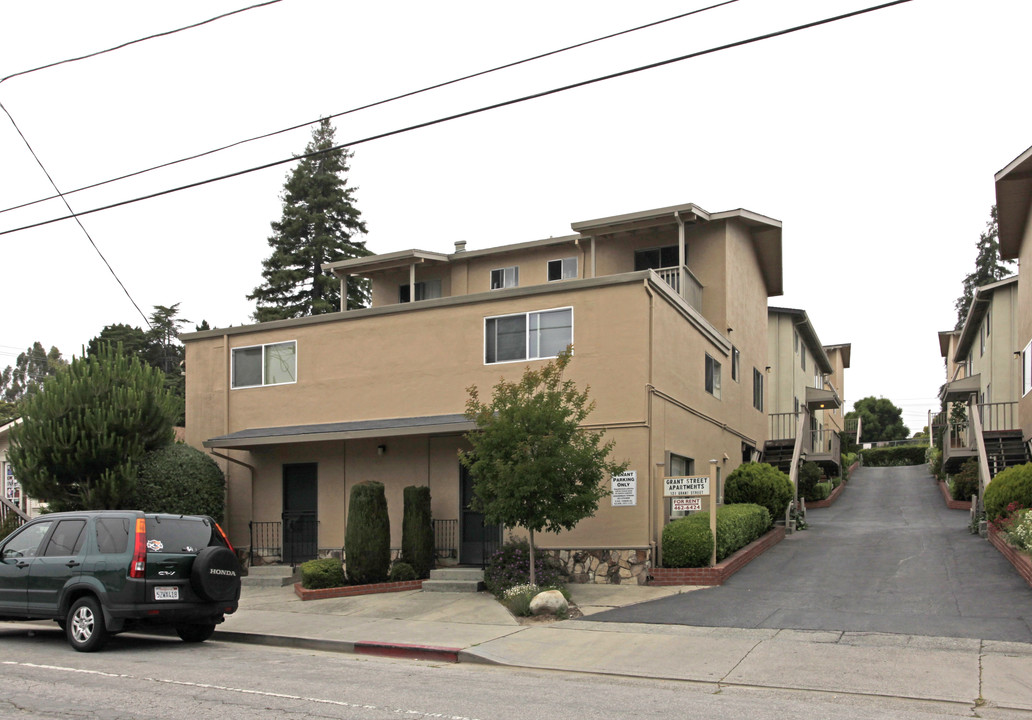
x=988, y=267
x=319, y=225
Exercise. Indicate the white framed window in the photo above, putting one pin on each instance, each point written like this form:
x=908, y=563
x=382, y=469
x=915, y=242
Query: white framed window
x=527, y=336
x=802, y=357
x=258, y=365
x=1026, y=370
x=757, y=389
x=506, y=277
x=679, y=466
x=425, y=290
x=736, y=361
x=564, y=269
x=712, y=377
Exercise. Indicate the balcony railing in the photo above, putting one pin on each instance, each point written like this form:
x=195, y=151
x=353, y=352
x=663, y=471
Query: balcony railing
x=999, y=416
x=783, y=425
x=692, y=292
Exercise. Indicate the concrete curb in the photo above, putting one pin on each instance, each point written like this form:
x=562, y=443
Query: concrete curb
x=407, y=651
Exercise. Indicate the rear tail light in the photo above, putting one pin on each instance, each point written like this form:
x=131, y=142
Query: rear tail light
x=224, y=538
x=138, y=568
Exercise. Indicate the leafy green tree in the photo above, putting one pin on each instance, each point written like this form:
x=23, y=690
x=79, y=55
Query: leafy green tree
x=133, y=340
x=29, y=371
x=319, y=225
x=81, y=439
x=988, y=267
x=532, y=465
x=180, y=480
x=881, y=420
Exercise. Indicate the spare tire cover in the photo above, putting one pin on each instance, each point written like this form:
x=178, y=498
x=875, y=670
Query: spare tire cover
x=216, y=574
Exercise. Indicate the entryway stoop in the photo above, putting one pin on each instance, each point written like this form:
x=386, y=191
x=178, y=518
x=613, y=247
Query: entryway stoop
x=455, y=580
x=270, y=576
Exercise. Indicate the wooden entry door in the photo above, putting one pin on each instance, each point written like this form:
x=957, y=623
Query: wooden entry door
x=300, y=512
x=478, y=540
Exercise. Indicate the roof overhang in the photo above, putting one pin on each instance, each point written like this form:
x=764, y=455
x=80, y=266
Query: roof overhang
x=961, y=390
x=254, y=438
x=808, y=334
x=386, y=261
x=944, y=341
x=822, y=399
x=980, y=302
x=844, y=350
x=1013, y=200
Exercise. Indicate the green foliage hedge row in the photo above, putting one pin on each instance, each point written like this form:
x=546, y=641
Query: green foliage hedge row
x=688, y=542
x=324, y=573
x=761, y=484
x=1013, y=485
x=895, y=456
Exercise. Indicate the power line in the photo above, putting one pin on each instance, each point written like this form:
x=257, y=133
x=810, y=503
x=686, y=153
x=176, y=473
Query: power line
x=378, y=103
x=468, y=113
x=138, y=40
x=77, y=220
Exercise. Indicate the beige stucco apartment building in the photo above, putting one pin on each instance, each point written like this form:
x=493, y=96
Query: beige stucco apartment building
x=667, y=313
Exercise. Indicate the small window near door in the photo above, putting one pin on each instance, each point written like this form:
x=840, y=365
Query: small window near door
x=679, y=466
x=565, y=269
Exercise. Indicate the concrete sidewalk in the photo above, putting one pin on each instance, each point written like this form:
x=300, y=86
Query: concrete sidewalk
x=476, y=628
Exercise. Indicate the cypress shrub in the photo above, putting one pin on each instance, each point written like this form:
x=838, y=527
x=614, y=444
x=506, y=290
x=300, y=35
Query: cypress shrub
x=180, y=480
x=367, y=540
x=417, y=531
x=1013, y=485
x=761, y=484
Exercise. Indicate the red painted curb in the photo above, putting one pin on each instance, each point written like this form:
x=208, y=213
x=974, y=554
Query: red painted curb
x=408, y=652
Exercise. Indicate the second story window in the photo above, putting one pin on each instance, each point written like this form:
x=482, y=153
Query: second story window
x=507, y=277
x=273, y=364
x=757, y=389
x=736, y=361
x=527, y=336
x=802, y=357
x=564, y=269
x=712, y=377
x=656, y=258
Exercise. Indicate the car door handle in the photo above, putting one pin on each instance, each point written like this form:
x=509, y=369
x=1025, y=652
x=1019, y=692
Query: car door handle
x=72, y=563
x=21, y=564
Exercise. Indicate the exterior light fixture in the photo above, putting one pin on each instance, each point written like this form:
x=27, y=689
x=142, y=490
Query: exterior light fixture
x=381, y=449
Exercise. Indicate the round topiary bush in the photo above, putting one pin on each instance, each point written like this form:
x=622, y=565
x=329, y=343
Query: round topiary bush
x=417, y=531
x=1013, y=485
x=761, y=484
x=323, y=573
x=402, y=571
x=180, y=480
x=687, y=542
x=367, y=540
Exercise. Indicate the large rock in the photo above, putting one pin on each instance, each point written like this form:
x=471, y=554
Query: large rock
x=549, y=602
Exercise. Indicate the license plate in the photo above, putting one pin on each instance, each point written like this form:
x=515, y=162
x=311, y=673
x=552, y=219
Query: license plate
x=166, y=593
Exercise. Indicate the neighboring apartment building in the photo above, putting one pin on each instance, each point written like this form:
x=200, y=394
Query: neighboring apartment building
x=1014, y=215
x=667, y=312
x=13, y=497
x=805, y=384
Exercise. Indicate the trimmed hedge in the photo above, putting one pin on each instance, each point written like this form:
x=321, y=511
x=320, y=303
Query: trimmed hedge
x=324, y=573
x=402, y=571
x=1012, y=485
x=179, y=480
x=809, y=476
x=965, y=483
x=895, y=456
x=761, y=484
x=417, y=531
x=367, y=539
x=688, y=542
x=819, y=492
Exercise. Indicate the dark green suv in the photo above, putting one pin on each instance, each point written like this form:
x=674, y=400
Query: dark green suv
x=102, y=572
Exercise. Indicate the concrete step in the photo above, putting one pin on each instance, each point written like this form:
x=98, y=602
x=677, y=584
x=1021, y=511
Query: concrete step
x=270, y=576
x=453, y=586
x=457, y=573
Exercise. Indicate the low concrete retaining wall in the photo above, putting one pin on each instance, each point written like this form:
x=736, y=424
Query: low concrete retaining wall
x=950, y=502
x=352, y=590
x=720, y=572
x=1021, y=562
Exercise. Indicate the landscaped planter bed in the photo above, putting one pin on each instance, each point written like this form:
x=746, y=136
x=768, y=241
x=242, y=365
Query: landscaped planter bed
x=353, y=590
x=828, y=501
x=1021, y=562
x=950, y=502
x=720, y=572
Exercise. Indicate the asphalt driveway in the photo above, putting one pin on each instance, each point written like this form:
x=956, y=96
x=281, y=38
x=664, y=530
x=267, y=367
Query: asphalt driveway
x=888, y=557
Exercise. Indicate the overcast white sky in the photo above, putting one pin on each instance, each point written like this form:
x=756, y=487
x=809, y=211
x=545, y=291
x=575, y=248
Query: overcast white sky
x=874, y=140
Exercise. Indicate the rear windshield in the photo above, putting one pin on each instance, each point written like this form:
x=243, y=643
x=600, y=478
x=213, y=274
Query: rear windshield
x=179, y=535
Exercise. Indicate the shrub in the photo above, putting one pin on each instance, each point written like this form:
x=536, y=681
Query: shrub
x=1013, y=485
x=895, y=456
x=819, y=492
x=848, y=459
x=402, y=571
x=935, y=462
x=324, y=573
x=367, y=540
x=180, y=480
x=761, y=484
x=417, y=531
x=809, y=476
x=965, y=483
x=510, y=566
x=688, y=542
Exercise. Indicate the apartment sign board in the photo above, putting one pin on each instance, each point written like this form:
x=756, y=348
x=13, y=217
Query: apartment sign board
x=692, y=486
x=625, y=489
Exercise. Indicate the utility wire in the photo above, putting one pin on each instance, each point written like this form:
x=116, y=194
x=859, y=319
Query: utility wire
x=377, y=103
x=468, y=113
x=138, y=40
x=73, y=214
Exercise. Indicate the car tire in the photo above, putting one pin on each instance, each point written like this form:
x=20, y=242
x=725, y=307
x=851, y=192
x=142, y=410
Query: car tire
x=195, y=633
x=84, y=625
x=215, y=575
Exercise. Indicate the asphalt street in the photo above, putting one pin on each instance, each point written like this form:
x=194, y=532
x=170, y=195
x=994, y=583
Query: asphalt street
x=888, y=557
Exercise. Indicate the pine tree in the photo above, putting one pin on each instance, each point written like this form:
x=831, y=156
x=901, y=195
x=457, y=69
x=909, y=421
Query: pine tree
x=318, y=225
x=988, y=267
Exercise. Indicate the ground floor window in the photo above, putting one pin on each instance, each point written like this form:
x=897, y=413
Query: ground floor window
x=678, y=466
